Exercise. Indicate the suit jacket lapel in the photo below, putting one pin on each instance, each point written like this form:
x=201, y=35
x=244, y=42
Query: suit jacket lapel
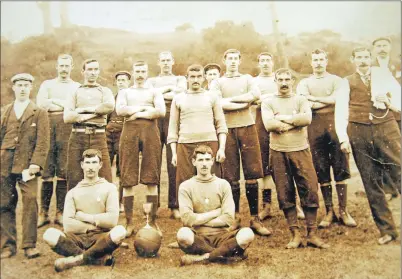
x=29, y=112
x=6, y=115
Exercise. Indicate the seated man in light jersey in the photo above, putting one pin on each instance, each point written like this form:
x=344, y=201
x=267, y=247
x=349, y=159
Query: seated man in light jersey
x=207, y=211
x=91, y=213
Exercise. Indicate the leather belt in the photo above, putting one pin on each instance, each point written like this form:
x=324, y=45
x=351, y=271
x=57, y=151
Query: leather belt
x=89, y=130
x=55, y=112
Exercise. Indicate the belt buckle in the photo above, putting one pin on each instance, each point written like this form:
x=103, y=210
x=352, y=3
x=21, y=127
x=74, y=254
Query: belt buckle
x=89, y=130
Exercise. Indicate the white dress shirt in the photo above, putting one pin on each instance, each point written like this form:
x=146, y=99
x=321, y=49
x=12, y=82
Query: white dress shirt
x=19, y=107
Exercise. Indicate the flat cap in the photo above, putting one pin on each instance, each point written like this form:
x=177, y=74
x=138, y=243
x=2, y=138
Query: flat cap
x=382, y=39
x=23, y=76
x=122, y=73
x=211, y=66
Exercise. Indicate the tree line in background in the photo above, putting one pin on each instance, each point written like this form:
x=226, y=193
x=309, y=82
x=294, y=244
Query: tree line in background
x=117, y=50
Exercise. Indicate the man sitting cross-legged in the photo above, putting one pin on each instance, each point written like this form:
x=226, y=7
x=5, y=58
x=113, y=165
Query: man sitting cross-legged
x=91, y=212
x=207, y=211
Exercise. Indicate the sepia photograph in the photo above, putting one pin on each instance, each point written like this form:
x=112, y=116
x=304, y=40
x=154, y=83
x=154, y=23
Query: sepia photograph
x=200, y=139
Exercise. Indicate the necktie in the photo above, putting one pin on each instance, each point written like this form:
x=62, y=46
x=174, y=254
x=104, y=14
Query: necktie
x=366, y=79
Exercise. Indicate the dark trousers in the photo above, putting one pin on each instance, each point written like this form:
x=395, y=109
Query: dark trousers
x=290, y=167
x=391, y=185
x=93, y=245
x=8, y=205
x=376, y=147
x=113, y=141
x=56, y=164
x=77, y=144
x=163, y=124
x=206, y=244
x=185, y=168
x=326, y=149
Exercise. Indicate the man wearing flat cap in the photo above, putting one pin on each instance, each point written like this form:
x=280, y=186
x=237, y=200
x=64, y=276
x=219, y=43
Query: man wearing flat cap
x=87, y=109
x=212, y=71
x=24, y=141
x=381, y=58
x=52, y=96
x=115, y=126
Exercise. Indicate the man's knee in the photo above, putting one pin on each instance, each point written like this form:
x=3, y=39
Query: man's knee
x=244, y=237
x=185, y=237
x=52, y=235
x=128, y=191
x=117, y=234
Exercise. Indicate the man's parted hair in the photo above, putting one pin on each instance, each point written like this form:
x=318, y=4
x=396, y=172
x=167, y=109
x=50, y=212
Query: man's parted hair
x=90, y=153
x=360, y=49
x=231, y=50
x=264, y=54
x=87, y=61
x=202, y=149
x=318, y=51
x=284, y=71
x=65, y=56
x=165, y=52
x=140, y=63
x=195, y=68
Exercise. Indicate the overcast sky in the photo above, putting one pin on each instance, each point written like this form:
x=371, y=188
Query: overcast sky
x=354, y=20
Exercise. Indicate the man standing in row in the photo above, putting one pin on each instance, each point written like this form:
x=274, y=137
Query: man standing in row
x=24, y=142
x=266, y=83
x=381, y=58
x=212, y=71
x=238, y=91
x=321, y=89
x=169, y=85
x=141, y=105
x=196, y=117
x=115, y=126
x=52, y=97
x=87, y=109
x=372, y=134
x=286, y=116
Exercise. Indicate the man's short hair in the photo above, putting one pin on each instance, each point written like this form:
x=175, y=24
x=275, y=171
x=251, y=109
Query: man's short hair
x=359, y=49
x=231, y=50
x=90, y=153
x=87, y=61
x=382, y=39
x=195, y=68
x=202, y=149
x=318, y=51
x=122, y=73
x=165, y=52
x=140, y=63
x=284, y=71
x=264, y=54
x=66, y=56
x=212, y=66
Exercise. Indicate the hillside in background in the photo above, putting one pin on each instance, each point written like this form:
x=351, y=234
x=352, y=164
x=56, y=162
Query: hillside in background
x=118, y=49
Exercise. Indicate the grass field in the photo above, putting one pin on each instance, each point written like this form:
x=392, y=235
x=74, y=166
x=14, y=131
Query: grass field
x=354, y=252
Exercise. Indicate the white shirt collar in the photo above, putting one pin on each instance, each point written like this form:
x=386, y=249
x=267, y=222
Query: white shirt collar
x=20, y=107
x=383, y=62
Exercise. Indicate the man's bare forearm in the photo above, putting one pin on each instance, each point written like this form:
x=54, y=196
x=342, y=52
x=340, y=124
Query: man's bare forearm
x=229, y=106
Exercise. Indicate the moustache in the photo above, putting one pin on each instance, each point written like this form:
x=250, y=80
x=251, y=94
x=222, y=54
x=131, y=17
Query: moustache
x=383, y=52
x=284, y=87
x=363, y=65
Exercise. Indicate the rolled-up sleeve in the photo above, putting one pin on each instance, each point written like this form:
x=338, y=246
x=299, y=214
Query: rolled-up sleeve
x=342, y=111
x=107, y=106
x=219, y=116
x=187, y=214
x=228, y=206
x=173, y=131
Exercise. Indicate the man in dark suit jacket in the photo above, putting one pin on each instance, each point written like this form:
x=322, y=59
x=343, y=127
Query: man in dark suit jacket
x=371, y=133
x=24, y=141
